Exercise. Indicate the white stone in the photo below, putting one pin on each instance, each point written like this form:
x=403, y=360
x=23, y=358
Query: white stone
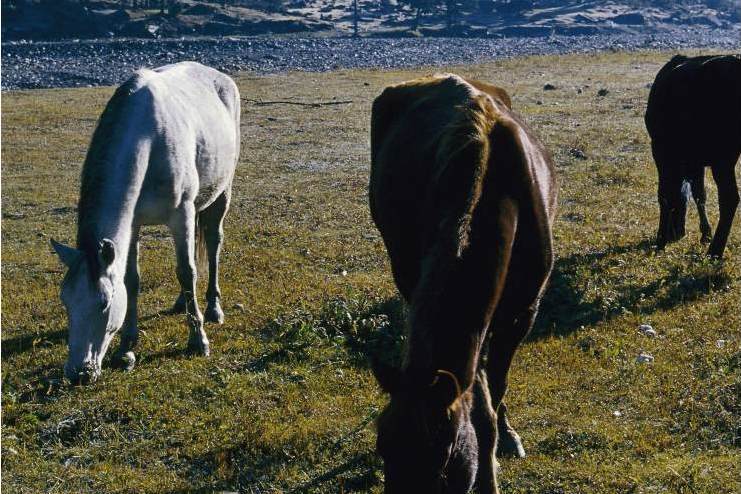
x=644, y=358
x=647, y=330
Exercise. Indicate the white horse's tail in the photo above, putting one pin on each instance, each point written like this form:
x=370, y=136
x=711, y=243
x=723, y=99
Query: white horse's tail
x=201, y=252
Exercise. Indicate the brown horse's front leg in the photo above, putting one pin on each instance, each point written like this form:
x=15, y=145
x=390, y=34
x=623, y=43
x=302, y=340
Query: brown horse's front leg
x=484, y=420
x=728, y=199
x=508, y=334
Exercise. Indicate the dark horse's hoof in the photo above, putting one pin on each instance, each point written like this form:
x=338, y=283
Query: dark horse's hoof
x=179, y=305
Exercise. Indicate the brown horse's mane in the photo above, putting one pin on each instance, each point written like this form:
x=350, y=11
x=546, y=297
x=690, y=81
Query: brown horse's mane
x=466, y=140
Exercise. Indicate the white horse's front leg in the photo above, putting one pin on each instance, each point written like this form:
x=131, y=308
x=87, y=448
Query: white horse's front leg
x=124, y=357
x=183, y=231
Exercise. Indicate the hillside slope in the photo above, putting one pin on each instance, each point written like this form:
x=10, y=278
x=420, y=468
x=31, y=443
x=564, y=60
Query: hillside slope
x=64, y=19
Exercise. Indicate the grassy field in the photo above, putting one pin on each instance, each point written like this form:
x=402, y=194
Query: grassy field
x=286, y=402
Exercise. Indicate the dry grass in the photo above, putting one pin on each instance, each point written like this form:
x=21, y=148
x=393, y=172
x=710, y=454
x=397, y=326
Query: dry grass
x=285, y=403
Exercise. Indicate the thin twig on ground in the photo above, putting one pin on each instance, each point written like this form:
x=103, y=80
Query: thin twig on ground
x=311, y=104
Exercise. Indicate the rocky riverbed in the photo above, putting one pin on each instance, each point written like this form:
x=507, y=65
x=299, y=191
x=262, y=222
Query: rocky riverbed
x=107, y=62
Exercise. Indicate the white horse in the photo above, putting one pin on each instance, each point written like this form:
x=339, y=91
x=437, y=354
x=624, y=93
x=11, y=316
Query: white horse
x=164, y=152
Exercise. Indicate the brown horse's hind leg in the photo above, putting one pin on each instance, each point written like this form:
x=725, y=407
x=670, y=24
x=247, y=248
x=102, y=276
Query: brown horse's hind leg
x=728, y=199
x=508, y=333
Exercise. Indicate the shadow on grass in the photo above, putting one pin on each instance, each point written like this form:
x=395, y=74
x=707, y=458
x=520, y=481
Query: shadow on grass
x=26, y=342
x=564, y=309
x=240, y=473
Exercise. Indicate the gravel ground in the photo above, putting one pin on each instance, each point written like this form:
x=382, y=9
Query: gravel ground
x=108, y=62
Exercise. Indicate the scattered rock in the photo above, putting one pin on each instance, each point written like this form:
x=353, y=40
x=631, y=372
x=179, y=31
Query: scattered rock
x=577, y=153
x=28, y=65
x=647, y=330
x=644, y=358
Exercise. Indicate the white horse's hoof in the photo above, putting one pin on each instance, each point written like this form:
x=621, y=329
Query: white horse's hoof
x=199, y=346
x=214, y=313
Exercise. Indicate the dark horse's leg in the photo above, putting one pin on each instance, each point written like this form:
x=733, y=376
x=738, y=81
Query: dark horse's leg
x=728, y=199
x=213, y=229
x=697, y=182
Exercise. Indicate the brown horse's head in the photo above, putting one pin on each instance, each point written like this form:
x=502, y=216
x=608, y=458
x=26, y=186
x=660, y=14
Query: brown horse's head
x=425, y=435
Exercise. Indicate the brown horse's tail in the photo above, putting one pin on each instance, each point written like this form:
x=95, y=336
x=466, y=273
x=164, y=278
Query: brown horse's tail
x=201, y=252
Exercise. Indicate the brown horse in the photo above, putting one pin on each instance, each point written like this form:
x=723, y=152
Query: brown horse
x=464, y=197
x=694, y=119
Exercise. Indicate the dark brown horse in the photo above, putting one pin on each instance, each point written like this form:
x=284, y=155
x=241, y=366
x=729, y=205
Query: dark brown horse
x=694, y=120
x=464, y=197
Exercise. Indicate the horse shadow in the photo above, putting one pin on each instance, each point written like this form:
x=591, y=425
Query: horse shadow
x=565, y=308
x=23, y=343
x=357, y=473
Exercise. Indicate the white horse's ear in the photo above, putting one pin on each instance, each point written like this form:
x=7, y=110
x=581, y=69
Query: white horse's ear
x=66, y=254
x=106, y=252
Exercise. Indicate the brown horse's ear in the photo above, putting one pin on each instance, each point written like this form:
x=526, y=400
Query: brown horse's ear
x=388, y=376
x=446, y=388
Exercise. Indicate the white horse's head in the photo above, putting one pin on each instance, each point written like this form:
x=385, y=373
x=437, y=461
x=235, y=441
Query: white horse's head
x=95, y=299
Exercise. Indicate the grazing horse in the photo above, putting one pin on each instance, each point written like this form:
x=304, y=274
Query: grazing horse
x=464, y=197
x=164, y=152
x=694, y=120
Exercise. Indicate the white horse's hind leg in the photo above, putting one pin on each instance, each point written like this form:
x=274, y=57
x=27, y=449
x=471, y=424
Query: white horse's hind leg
x=124, y=356
x=213, y=229
x=183, y=232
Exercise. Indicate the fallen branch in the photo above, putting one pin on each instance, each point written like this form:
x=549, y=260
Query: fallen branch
x=312, y=104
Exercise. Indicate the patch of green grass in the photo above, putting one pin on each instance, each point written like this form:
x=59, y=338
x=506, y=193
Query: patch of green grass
x=286, y=402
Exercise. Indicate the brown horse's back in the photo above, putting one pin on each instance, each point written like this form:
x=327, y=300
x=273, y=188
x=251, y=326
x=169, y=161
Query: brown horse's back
x=457, y=181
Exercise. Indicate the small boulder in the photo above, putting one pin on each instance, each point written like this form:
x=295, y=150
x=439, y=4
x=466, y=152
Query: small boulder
x=644, y=358
x=647, y=330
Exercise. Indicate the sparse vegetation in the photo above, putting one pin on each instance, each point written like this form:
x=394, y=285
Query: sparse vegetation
x=286, y=401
